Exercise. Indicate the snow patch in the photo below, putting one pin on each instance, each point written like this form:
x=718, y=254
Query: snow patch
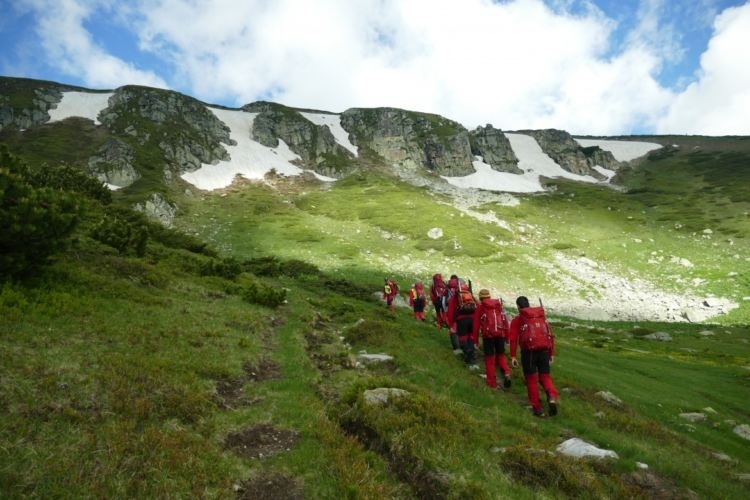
x=621, y=150
x=249, y=158
x=82, y=104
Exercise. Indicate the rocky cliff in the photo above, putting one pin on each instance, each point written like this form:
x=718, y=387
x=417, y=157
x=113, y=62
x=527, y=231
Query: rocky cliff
x=314, y=144
x=566, y=152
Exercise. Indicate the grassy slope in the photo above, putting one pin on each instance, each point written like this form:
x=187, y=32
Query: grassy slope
x=112, y=365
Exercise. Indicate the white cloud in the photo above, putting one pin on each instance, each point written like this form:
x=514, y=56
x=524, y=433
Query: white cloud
x=718, y=103
x=68, y=46
x=516, y=64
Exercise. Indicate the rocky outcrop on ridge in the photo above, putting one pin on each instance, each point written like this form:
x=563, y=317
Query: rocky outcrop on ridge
x=566, y=152
x=408, y=137
x=495, y=149
x=23, y=105
x=183, y=128
x=314, y=144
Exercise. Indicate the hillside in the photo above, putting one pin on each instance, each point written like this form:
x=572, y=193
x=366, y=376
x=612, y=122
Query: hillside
x=225, y=355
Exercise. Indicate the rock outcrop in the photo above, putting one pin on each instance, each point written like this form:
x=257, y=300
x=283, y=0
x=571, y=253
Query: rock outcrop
x=25, y=103
x=495, y=149
x=409, y=137
x=182, y=128
x=314, y=144
x=566, y=152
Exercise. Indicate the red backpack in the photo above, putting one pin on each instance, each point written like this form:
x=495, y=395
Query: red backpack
x=534, y=333
x=419, y=291
x=466, y=301
x=494, y=321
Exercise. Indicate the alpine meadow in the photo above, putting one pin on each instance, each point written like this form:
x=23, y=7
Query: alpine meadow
x=164, y=339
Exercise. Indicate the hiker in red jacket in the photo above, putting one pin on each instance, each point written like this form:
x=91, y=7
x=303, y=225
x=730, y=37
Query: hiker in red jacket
x=461, y=307
x=418, y=300
x=451, y=290
x=491, y=321
x=390, y=291
x=439, y=297
x=530, y=330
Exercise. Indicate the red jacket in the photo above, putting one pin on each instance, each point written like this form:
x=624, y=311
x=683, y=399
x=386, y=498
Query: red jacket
x=515, y=324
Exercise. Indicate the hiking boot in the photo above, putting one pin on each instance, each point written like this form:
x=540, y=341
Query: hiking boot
x=552, y=407
x=538, y=413
x=507, y=381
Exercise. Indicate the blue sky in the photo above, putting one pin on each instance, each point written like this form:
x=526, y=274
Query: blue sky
x=599, y=67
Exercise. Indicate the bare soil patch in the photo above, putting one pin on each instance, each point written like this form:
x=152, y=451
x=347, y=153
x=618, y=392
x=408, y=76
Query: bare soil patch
x=275, y=486
x=261, y=441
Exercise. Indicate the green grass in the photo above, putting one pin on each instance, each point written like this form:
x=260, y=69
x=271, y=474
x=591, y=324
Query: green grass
x=111, y=391
x=125, y=376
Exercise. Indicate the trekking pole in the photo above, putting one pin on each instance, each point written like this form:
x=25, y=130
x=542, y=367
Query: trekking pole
x=540, y=302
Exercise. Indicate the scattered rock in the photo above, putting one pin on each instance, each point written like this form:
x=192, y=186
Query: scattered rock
x=576, y=447
x=681, y=261
x=435, y=233
x=373, y=358
x=722, y=457
x=660, y=336
x=743, y=431
x=609, y=398
x=693, y=417
x=381, y=395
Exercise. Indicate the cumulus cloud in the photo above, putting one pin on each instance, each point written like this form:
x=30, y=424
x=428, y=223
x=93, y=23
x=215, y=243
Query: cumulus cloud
x=515, y=64
x=718, y=102
x=68, y=46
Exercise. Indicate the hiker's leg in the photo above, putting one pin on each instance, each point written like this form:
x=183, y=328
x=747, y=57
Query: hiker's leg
x=488, y=346
x=454, y=341
x=544, y=376
x=489, y=368
x=532, y=380
x=532, y=390
x=503, y=364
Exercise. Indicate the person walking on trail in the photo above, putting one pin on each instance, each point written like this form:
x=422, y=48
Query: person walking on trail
x=390, y=291
x=530, y=330
x=418, y=300
x=439, y=296
x=451, y=291
x=491, y=321
x=461, y=307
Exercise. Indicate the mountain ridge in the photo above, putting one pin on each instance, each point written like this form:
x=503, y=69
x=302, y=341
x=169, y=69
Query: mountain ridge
x=431, y=142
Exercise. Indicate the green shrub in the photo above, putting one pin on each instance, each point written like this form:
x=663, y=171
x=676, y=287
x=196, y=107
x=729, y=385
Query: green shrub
x=36, y=220
x=121, y=235
x=228, y=268
x=66, y=178
x=257, y=292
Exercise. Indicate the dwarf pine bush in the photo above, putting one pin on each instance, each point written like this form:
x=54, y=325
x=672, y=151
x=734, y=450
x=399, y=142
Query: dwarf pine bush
x=37, y=220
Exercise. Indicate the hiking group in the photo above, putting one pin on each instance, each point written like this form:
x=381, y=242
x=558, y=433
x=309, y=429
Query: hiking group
x=467, y=318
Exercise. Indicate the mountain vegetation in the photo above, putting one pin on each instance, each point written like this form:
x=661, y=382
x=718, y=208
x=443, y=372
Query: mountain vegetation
x=225, y=354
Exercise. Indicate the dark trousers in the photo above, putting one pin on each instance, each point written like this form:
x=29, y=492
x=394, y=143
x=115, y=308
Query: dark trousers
x=464, y=326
